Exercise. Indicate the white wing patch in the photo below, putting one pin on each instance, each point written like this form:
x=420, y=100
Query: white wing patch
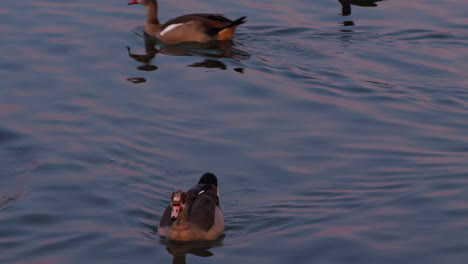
x=169, y=28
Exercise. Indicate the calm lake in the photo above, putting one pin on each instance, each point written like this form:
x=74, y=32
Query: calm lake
x=336, y=137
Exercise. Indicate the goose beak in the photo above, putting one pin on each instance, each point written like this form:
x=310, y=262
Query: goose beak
x=132, y=2
x=175, y=212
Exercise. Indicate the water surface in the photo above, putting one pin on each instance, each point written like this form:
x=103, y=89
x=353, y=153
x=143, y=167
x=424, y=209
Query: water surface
x=336, y=139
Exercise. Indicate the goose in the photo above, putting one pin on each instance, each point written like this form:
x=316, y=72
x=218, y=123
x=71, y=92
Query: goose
x=194, y=214
x=201, y=28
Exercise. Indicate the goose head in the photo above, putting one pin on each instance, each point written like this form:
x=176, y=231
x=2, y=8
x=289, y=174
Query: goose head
x=141, y=2
x=178, y=203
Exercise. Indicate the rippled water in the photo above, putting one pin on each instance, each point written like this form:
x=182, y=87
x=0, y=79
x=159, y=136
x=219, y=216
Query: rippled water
x=336, y=139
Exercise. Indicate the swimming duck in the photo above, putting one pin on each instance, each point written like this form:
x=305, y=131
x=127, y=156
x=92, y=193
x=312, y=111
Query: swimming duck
x=194, y=214
x=188, y=28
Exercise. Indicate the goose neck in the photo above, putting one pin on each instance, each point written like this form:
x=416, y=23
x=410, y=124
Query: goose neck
x=152, y=13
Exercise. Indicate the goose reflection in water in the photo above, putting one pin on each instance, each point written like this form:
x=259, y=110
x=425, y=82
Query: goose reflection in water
x=179, y=250
x=346, y=5
x=211, y=53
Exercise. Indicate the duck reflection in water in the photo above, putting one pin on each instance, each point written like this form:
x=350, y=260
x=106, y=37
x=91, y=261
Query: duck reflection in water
x=211, y=53
x=346, y=5
x=179, y=250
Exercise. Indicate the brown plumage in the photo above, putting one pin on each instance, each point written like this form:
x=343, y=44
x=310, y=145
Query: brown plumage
x=188, y=28
x=194, y=214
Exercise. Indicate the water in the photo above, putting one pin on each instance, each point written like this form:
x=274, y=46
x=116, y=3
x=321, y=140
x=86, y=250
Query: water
x=336, y=139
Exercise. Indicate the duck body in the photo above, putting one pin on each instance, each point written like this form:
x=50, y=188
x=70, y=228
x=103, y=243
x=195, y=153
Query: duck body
x=196, y=27
x=194, y=214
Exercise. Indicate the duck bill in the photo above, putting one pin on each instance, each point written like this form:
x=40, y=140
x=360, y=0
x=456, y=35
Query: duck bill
x=132, y=2
x=175, y=212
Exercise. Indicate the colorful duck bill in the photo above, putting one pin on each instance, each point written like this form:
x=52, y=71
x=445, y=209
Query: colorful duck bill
x=194, y=214
x=198, y=27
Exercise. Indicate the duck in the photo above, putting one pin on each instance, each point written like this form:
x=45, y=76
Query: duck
x=194, y=214
x=197, y=27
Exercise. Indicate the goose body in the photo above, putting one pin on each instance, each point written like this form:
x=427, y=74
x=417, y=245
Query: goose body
x=188, y=28
x=194, y=214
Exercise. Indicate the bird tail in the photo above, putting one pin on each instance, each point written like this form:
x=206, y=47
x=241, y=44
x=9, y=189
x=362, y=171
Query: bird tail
x=240, y=20
x=226, y=32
